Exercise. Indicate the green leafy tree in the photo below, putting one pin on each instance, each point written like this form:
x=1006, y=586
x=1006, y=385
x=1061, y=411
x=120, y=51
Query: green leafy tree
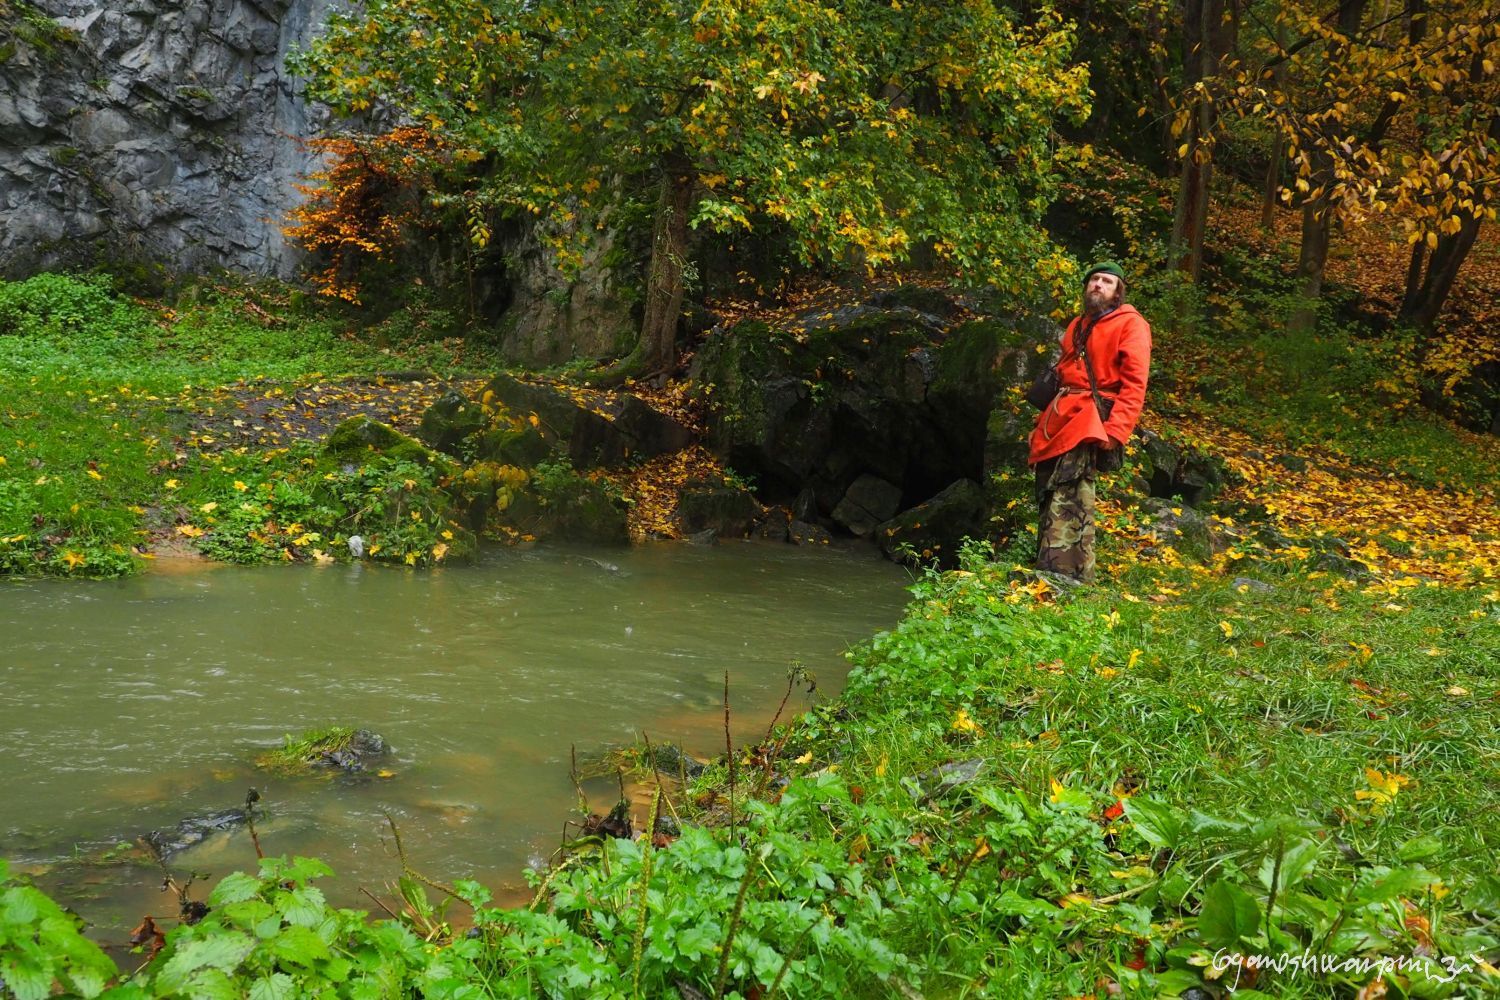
x=866, y=130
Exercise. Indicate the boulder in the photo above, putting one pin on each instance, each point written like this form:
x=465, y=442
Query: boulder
x=337, y=749
x=1187, y=530
x=193, y=830
x=594, y=429
x=1172, y=469
x=869, y=501
x=896, y=390
x=578, y=509
x=450, y=421
x=802, y=533
x=360, y=435
x=728, y=510
x=935, y=528
x=673, y=761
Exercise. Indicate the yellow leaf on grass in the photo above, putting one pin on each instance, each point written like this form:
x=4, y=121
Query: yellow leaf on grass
x=1227, y=628
x=963, y=724
x=93, y=474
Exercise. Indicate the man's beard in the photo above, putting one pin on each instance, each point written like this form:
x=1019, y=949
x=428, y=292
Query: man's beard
x=1095, y=303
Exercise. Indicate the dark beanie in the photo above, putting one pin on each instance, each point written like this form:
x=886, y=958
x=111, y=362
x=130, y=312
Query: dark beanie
x=1105, y=267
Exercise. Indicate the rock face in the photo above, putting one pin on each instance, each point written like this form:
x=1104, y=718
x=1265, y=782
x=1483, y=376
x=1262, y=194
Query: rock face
x=151, y=131
x=850, y=417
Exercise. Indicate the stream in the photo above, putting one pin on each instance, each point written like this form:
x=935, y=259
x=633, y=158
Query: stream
x=126, y=706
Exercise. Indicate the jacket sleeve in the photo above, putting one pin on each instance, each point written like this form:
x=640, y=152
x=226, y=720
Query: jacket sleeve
x=1134, y=359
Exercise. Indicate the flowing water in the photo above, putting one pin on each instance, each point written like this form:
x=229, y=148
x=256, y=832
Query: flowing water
x=128, y=706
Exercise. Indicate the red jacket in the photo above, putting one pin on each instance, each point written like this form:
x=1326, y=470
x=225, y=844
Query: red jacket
x=1119, y=349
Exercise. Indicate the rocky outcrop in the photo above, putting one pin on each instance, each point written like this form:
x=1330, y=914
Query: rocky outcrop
x=555, y=317
x=151, y=131
x=851, y=416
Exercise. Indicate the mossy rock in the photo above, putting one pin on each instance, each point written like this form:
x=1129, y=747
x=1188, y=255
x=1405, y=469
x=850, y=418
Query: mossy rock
x=522, y=447
x=450, y=421
x=935, y=529
x=360, y=434
x=579, y=509
x=334, y=750
x=723, y=508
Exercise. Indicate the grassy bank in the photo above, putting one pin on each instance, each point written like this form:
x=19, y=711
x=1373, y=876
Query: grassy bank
x=127, y=423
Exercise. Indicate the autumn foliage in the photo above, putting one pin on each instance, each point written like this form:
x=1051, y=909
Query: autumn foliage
x=364, y=203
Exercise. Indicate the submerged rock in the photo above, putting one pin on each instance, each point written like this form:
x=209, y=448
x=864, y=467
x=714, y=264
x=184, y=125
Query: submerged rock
x=671, y=760
x=193, y=830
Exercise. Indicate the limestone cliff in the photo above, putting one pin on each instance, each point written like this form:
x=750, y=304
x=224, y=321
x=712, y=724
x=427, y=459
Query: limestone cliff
x=159, y=130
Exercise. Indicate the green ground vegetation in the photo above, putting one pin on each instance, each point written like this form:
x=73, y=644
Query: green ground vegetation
x=105, y=448
x=1022, y=792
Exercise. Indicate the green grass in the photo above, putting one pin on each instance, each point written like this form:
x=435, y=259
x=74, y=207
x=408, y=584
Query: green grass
x=95, y=394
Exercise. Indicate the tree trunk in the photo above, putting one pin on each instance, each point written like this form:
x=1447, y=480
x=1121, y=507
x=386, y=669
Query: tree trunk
x=1317, y=221
x=1421, y=304
x=1190, y=218
x=656, y=351
x=1207, y=38
x=1272, y=186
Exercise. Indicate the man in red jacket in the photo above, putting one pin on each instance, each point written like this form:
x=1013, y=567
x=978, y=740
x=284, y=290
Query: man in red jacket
x=1085, y=425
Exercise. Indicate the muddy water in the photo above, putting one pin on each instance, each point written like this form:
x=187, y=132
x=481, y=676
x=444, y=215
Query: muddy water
x=127, y=706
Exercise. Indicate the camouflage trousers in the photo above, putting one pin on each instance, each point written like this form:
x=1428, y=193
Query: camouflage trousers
x=1065, y=497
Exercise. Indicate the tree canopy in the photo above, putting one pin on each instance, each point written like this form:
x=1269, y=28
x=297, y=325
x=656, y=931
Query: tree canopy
x=865, y=131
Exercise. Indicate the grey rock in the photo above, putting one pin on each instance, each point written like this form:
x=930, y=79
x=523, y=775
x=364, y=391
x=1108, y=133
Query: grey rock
x=363, y=748
x=869, y=501
x=1187, y=529
x=935, y=528
x=156, y=131
x=722, y=508
x=193, y=830
x=1259, y=586
x=943, y=779
x=670, y=759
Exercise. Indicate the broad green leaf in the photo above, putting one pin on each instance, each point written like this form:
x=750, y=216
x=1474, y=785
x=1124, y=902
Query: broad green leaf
x=299, y=945
x=1229, y=914
x=1175, y=982
x=277, y=986
x=1393, y=884
x=25, y=980
x=1420, y=848
x=223, y=950
x=236, y=887
x=303, y=906
x=1296, y=861
x=1159, y=823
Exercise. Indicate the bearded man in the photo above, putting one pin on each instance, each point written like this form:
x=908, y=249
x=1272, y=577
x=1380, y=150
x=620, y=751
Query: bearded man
x=1106, y=356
